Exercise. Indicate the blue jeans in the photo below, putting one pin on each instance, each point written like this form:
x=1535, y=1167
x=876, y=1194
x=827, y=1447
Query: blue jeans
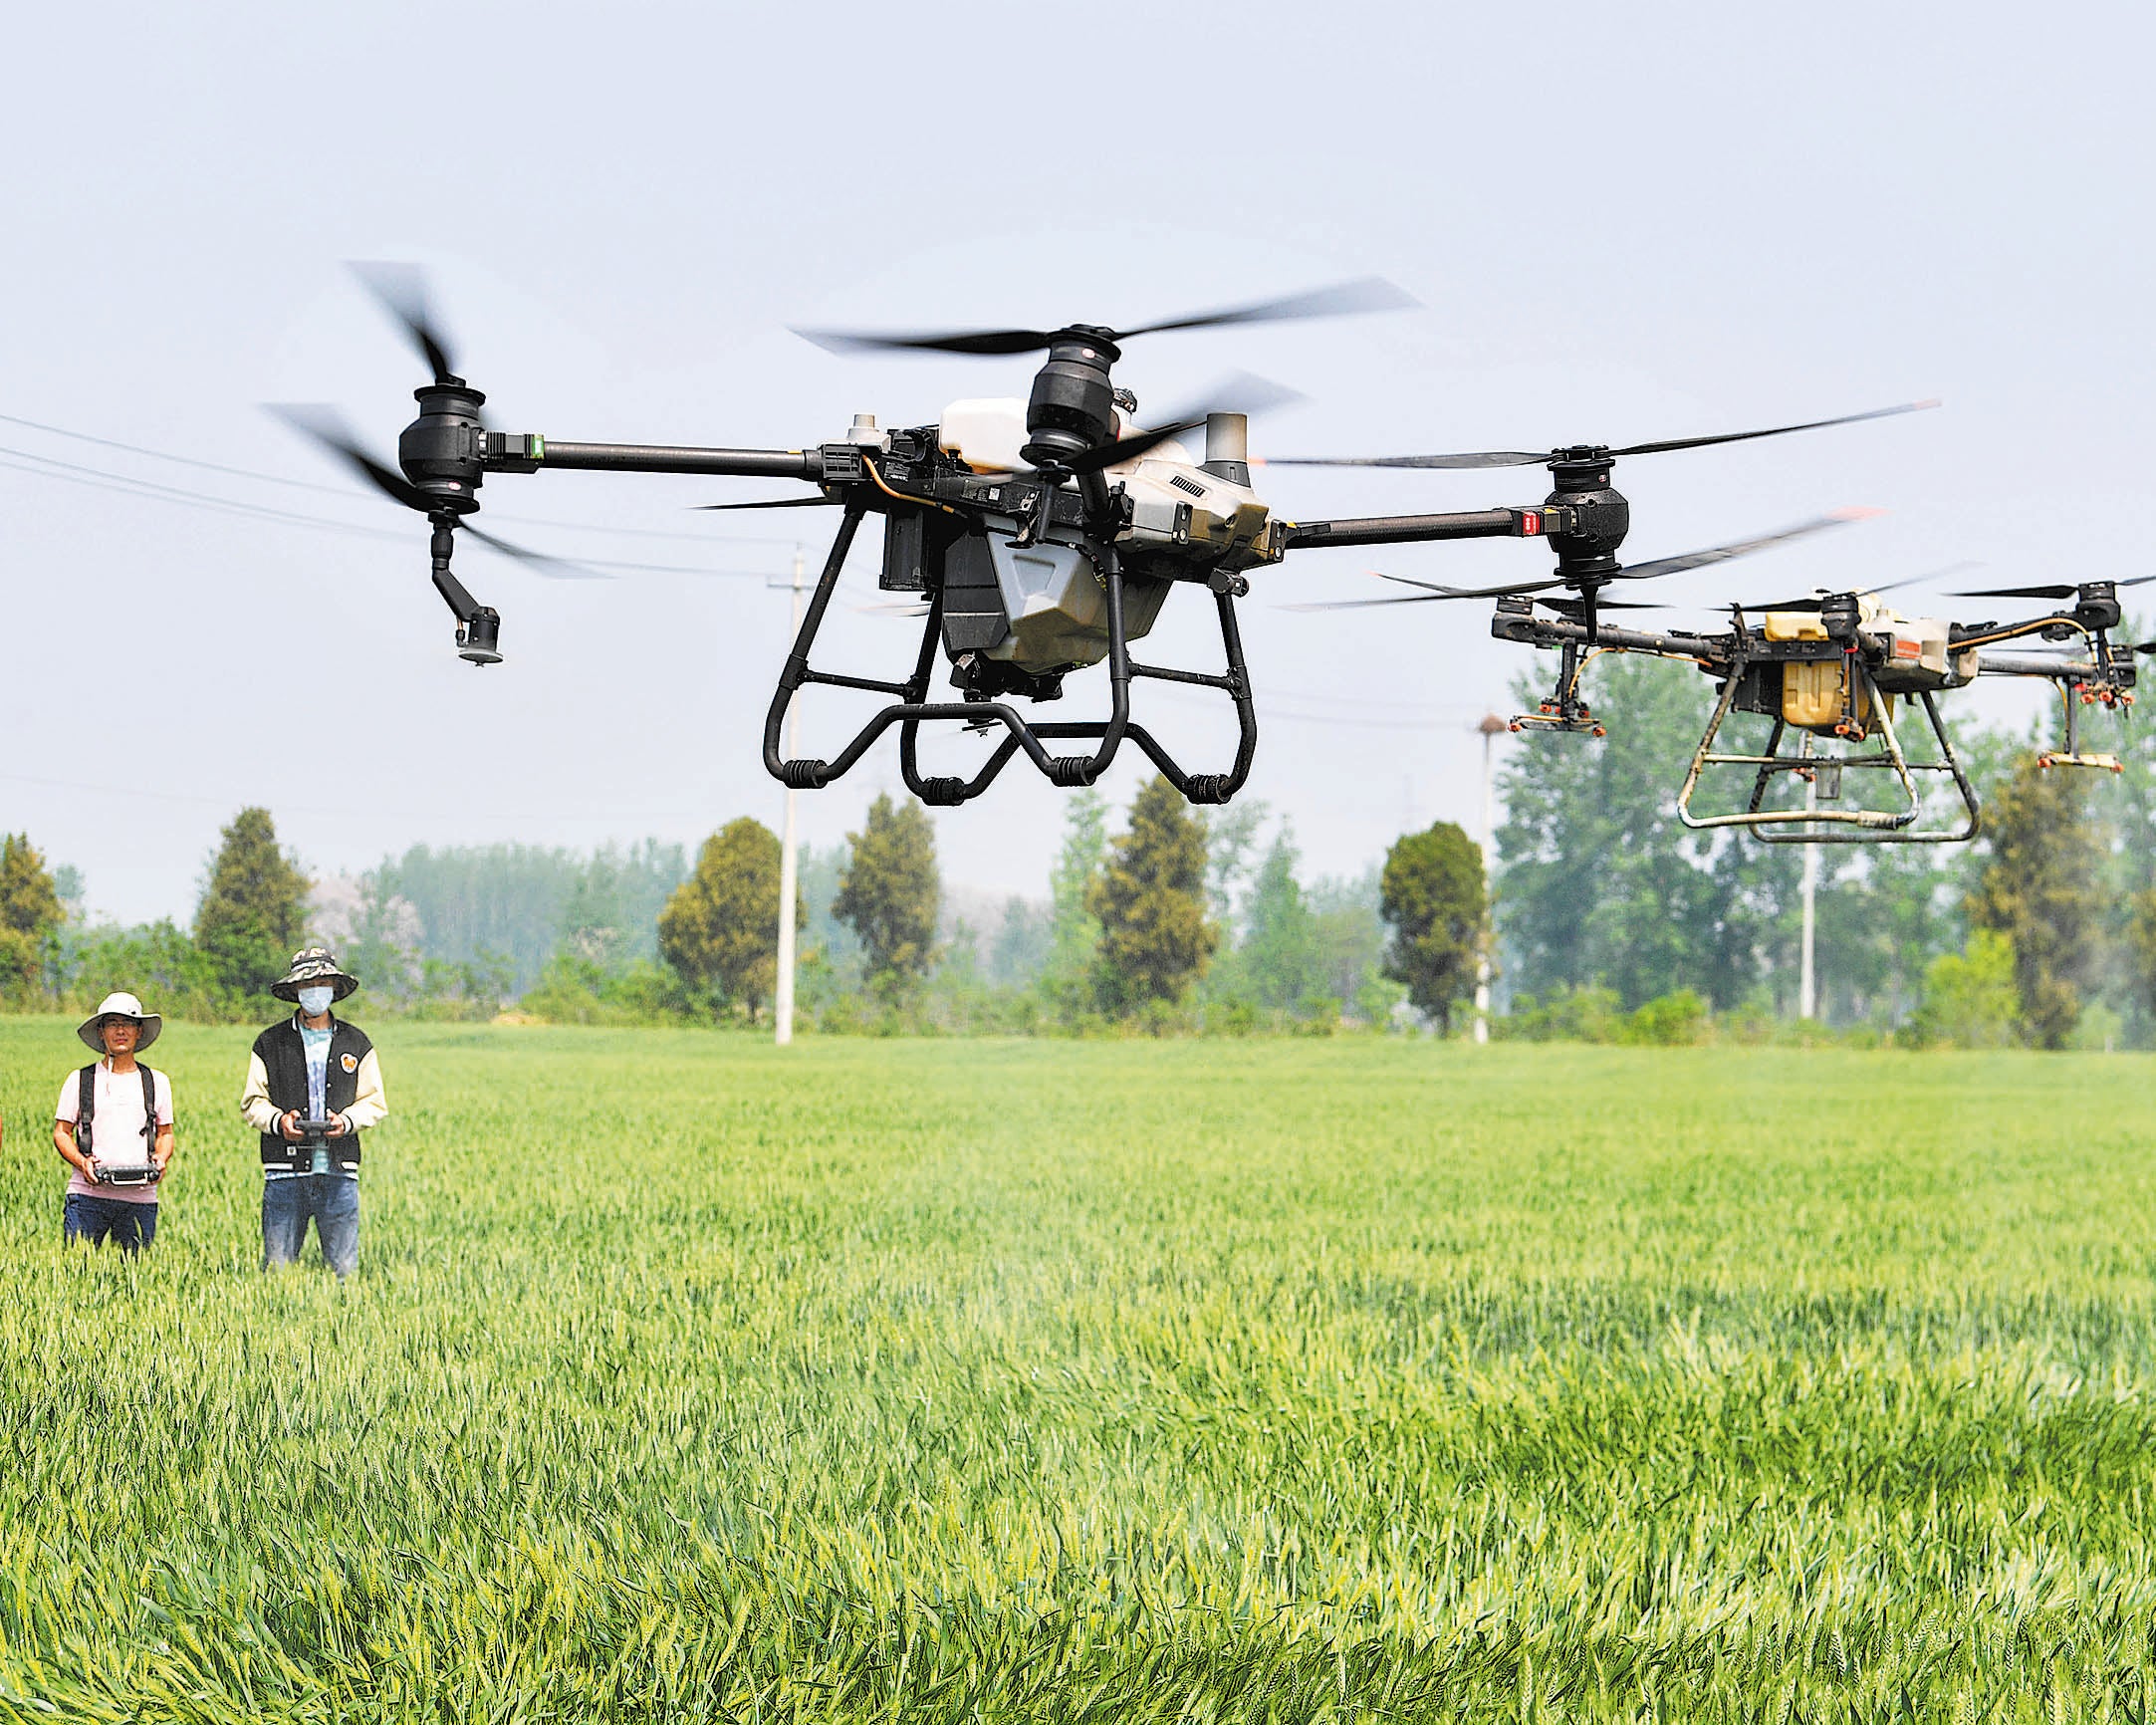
x=330, y=1200
x=130, y=1227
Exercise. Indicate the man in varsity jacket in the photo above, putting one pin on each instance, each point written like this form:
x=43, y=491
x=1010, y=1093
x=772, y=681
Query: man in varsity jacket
x=312, y=1068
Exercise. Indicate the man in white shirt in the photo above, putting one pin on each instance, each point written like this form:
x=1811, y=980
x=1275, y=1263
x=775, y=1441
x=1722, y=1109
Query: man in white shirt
x=312, y=1068
x=118, y=1147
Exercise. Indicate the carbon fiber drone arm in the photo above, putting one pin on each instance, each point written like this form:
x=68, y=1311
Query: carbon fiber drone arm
x=1411, y=529
x=528, y=452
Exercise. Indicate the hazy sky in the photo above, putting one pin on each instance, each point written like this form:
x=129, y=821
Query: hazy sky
x=1622, y=223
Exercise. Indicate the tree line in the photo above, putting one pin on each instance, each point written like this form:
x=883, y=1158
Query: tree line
x=1179, y=920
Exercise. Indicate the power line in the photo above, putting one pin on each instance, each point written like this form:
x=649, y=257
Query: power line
x=99, y=478
x=346, y=491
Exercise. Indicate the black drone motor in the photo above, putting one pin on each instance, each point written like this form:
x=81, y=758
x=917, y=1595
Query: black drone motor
x=1072, y=408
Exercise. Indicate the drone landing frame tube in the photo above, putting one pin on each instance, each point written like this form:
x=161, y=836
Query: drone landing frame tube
x=910, y=708
x=1843, y=825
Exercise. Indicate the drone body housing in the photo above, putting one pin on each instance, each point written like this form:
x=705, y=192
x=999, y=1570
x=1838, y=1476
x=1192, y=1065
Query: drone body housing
x=1021, y=579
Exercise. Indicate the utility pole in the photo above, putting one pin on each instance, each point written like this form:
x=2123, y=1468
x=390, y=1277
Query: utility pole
x=789, y=867
x=1492, y=727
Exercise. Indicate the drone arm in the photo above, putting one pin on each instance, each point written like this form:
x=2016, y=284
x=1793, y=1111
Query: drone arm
x=1516, y=621
x=520, y=453
x=2051, y=665
x=1410, y=529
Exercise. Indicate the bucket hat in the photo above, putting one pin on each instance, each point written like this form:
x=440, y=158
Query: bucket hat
x=312, y=966
x=121, y=1006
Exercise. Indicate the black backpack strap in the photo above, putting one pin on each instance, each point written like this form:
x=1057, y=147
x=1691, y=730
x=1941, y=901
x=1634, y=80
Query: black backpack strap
x=86, y=1106
x=149, y=1113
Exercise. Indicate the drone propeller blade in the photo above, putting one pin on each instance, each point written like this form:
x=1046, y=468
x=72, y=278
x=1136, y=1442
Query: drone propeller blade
x=777, y=503
x=1442, y=591
x=893, y=610
x=1542, y=458
x=538, y=562
x=987, y=342
x=1366, y=603
x=1481, y=458
x=1743, y=547
x=1344, y=299
x=1813, y=601
x=1577, y=607
x=402, y=291
x=2057, y=589
x=326, y=427
x=1369, y=295
x=1772, y=430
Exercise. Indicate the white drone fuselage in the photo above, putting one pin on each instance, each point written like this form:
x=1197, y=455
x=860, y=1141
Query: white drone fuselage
x=1054, y=596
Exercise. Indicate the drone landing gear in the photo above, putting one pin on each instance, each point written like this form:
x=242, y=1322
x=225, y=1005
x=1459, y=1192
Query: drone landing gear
x=910, y=708
x=1817, y=826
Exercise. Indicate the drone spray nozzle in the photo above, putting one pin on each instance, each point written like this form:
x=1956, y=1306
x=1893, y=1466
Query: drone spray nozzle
x=479, y=639
x=442, y=452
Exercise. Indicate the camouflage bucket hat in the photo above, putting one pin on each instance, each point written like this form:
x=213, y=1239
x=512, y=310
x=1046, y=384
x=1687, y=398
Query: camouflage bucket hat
x=313, y=965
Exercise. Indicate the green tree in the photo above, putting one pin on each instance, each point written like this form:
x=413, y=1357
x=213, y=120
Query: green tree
x=890, y=892
x=1023, y=942
x=1970, y=998
x=1068, y=976
x=253, y=913
x=1436, y=902
x=30, y=914
x=1150, y=903
x=2042, y=889
x=1278, y=957
x=720, y=929
x=1601, y=884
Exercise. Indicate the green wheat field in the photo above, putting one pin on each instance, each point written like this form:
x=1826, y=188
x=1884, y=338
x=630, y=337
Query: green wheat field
x=688, y=1379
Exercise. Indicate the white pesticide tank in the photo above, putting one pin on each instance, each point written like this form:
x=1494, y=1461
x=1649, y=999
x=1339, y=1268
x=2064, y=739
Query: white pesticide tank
x=986, y=434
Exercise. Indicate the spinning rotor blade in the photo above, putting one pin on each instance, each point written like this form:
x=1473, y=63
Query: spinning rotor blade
x=1430, y=591
x=1368, y=295
x=327, y=426
x=1813, y=599
x=538, y=562
x=1772, y=430
x=777, y=503
x=402, y=291
x=1530, y=458
x=1742, y=548
x=1577, y=607
x=2057, y=590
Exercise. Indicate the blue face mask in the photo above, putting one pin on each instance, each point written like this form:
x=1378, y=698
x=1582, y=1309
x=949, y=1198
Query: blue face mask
x=316, y=1001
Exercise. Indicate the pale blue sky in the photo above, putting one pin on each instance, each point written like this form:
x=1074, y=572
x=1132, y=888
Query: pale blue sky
x=1622, y=223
